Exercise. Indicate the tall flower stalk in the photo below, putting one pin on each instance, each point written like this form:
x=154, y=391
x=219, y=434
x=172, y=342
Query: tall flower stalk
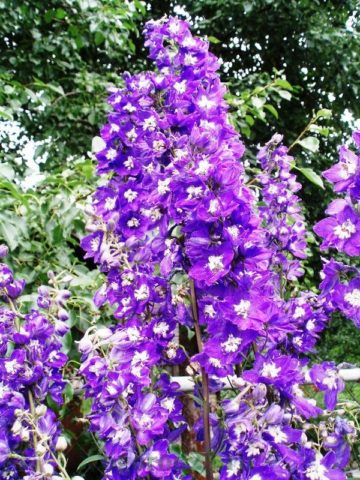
x=31, y=440
x=184, y=243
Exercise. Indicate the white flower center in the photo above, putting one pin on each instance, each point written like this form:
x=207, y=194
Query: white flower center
x=310, y=325
x=179, y=153
x=150, y=123
x=94, y=244
x=193, y=192
x=129, y=108
x=142, y=293
x=232, y=344
x=129, y=163
x=145, y=421
x=163, y=186
x=130, y=195
x=299, y=312
x=273, y=189
x=316, y=471
x=158, y=145
x=206, y=103
x=111, y=154
x=110, y=203
x=11, y=366
x=133, y=222
x=161, y=328
x=215, y=263
x=270, y=370
x=214, y=206
x=180, y=87
x=348, y=169
x=131, y=135
x=210, y=311
x=189, y=59
x=168, y=403
x=278, y=435
x=345, y=230
x=133, y=334
x=233, y=468
x=215, y=362
x=331, y=379
x=353, y=297
x=203, y=167
x=234, y=231
x=242, y=308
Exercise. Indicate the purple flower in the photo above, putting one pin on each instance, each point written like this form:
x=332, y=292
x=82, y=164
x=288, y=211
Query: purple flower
x=326, y=378
x=343, y=173
x=341, y=231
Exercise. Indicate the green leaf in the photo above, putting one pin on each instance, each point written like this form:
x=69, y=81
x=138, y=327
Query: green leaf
x=272, y=110
x=60, y=13
x=68, y=392
x=280, y=82
x=213, y=39
x=312, y=176
x=93, y=458
x=285, y=94
x=196, y=462
x=67, y=342
x=99, y=38
x=249, y=120
x=324, y=113
x=310, y=143
x=5, y=114
x=10, y=234
x=49, y=16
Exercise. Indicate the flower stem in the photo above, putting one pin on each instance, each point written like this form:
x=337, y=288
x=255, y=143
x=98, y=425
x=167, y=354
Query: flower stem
x=205, y=387
x=32, y=411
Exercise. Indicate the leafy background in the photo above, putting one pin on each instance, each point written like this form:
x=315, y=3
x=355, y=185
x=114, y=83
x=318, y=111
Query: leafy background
x=286, y=63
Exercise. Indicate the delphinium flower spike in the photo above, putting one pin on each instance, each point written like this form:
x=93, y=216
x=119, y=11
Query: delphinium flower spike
x=31, y=362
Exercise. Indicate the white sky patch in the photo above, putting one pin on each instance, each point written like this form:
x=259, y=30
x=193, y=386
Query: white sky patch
x=14, y=140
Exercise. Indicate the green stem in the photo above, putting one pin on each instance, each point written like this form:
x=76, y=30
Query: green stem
x=205, y=387
x=312, y=121
x=33, y=414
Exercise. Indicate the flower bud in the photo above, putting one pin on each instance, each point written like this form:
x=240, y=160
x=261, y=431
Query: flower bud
x=40, y=449
x=274, y=414
x=44, y=302
x=103, y=333
x=17, y=427
x=85, y=345
x=3, y=250
x=63, y=314
x=44, y=291
x=25, y=435
x=67, y=279
x=40, y=410
x=61, y=327
x=51, y=275
x=61, y=444
x=48, y=469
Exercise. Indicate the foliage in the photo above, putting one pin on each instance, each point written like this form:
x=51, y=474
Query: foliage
x=283, y=64
x=57, y=59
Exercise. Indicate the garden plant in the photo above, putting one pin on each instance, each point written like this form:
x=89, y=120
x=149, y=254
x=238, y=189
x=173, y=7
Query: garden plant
x=202, y=257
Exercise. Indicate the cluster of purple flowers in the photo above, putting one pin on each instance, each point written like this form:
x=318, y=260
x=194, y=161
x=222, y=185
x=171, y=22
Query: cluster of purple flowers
x=31, y=361
x=281, y=209
x=341, y=231
x=184, y=243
